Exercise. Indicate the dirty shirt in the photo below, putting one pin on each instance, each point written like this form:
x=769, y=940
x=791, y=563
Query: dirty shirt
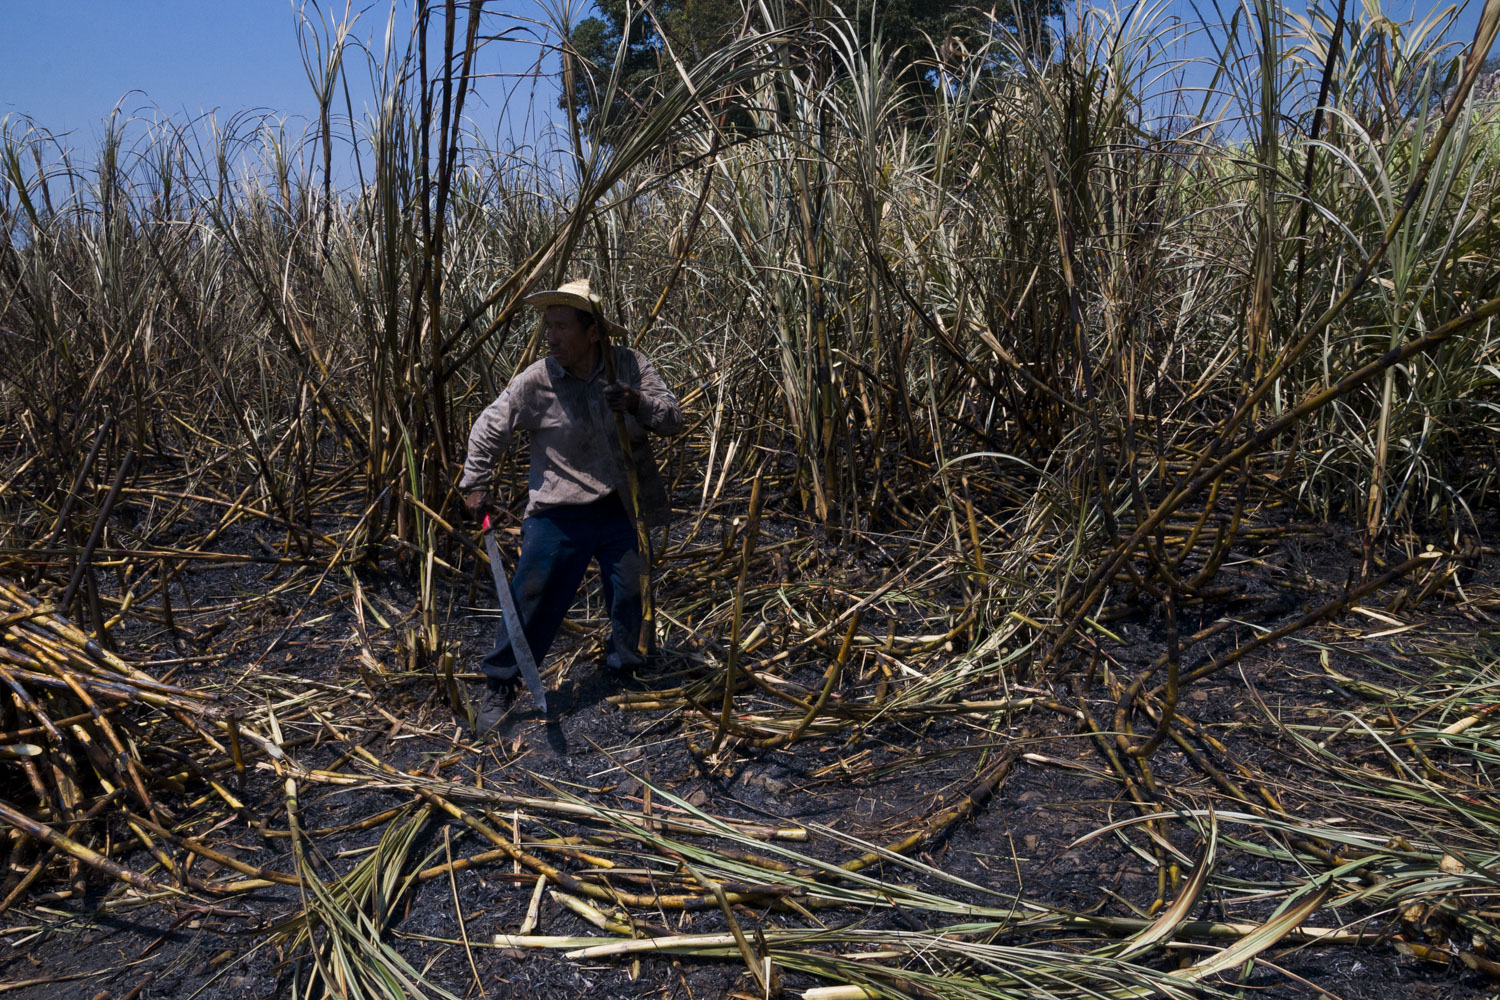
x=575, y=449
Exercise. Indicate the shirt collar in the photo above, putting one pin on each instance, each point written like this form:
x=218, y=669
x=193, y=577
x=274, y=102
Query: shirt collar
x=556, y=369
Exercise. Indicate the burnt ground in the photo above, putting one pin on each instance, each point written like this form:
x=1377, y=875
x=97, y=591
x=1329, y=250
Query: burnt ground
x=877, y=782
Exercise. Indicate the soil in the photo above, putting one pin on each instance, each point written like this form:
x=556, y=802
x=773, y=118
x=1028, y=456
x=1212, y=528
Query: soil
x=877, y=782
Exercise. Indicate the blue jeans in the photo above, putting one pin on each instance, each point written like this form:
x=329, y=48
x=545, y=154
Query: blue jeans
x=556, y=546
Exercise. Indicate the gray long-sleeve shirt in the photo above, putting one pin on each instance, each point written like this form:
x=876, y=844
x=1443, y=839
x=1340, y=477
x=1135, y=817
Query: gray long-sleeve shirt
x=575, y=450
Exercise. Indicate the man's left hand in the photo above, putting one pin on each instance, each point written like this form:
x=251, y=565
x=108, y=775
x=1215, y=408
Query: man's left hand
x=622, y=398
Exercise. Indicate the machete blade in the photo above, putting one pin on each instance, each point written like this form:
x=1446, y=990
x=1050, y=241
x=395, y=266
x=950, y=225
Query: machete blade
x=518, y=643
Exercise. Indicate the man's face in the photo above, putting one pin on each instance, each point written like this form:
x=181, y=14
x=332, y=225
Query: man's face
x=572, y=344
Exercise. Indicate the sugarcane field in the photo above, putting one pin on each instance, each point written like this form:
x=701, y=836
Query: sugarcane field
x=762, y=500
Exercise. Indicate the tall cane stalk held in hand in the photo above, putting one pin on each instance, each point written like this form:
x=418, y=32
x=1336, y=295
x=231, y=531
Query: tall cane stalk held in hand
x=632, y=482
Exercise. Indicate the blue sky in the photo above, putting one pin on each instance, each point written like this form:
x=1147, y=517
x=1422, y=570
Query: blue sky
x=67, y=63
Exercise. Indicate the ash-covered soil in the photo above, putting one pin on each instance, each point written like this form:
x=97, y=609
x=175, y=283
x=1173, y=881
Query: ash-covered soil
x=879, y=781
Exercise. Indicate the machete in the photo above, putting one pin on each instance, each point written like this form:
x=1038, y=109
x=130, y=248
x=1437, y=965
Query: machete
x=512, y=618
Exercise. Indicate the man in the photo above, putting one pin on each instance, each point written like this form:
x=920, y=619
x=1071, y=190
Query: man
x=579, y=507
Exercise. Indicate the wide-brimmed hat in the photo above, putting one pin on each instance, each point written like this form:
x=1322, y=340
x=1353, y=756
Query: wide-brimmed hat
x=578, y=295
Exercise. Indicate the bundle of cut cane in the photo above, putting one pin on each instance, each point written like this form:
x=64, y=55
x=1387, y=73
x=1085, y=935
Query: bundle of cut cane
x=82, y=732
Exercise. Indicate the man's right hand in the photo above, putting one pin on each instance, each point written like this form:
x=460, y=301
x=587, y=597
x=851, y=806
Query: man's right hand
x=478, y=503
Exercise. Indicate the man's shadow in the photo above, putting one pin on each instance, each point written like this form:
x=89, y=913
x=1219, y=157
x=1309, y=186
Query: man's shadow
x=563, y=707
x=557, y=737
x=588, y=689
x=521, y=721
x=567, y=702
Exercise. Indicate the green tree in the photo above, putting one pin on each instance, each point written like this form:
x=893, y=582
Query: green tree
x=696, y=28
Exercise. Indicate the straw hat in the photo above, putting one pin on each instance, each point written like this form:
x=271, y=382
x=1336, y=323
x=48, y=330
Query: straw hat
x=578, y=295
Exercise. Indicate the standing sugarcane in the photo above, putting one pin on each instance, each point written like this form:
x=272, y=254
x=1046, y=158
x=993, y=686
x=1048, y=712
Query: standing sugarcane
x=615, y=392
x=594, y=488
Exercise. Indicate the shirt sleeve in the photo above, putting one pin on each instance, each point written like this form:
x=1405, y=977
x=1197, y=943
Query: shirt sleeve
x=489, y=439
x=659, y=410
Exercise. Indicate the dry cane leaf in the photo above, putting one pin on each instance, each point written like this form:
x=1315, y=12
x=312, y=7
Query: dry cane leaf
x=1480, y=964
x=1426, y=952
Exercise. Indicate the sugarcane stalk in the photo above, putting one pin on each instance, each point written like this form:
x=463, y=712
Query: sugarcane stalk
x=732, y=659
x=74, y=849
x=73, y=493
x=97, y=533
x=830, y=681
x=647, y=631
